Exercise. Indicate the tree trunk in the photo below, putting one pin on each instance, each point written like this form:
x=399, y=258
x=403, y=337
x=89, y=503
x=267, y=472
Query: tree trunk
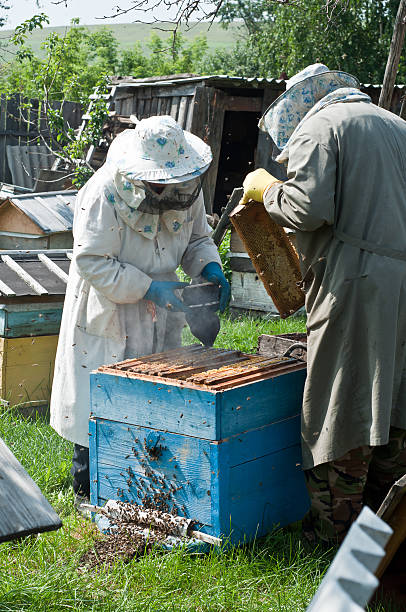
x=395, y=51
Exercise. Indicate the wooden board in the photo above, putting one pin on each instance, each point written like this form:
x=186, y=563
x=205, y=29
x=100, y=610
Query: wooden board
x=23, y=508
x=26, y=369
x=278, y=344
x=248, y=293
x=272, y=254
x=22, y=320
x=393, y=512
x=12, y=219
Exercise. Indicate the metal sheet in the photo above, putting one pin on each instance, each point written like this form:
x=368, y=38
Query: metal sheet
x=52, y=211
x=25, y=163
x=211, y=79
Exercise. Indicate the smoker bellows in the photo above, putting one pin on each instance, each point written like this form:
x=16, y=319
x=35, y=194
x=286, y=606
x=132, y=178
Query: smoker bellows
x=210, y=434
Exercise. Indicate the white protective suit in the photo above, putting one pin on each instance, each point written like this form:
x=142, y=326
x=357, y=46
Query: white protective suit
x=105, y=318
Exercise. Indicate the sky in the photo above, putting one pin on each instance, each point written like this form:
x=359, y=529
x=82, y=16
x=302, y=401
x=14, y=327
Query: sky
x=87, y=10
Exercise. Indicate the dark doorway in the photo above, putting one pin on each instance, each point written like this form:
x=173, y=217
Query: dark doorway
x=237, y=154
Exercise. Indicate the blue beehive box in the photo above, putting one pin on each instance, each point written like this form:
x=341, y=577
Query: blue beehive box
x=210, y=434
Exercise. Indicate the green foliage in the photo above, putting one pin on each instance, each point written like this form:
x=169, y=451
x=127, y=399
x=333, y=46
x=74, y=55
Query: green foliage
x=75, y=149
x=224, y=249
x=242, y=333
x=45, y=456
x=167, y=56
x=355, y=37
x=72, y=66
x=75, y=62
x=21, y=33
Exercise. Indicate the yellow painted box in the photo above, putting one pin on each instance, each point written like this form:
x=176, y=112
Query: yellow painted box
x=26, y=369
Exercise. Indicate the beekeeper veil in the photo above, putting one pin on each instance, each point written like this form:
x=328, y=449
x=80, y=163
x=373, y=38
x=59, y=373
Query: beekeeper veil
x=160, y=152
x=306, y=93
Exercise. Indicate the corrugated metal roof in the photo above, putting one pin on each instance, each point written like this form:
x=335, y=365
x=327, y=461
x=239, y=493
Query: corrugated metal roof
x=25, y=163
x=174, y=80
x=52, y=211
x=233, y=80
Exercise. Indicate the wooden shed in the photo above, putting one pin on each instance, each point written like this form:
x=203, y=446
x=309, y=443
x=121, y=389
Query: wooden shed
x=37, y=220
x=222, y=110
x=32, y=291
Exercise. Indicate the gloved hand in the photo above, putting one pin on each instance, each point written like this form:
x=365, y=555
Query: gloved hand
x=214, y=274
x=162, y=294
x=255, y=184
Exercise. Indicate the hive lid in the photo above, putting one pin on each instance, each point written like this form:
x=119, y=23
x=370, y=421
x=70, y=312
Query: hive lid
x=51, y=211
x=26, y=274
x=207, y=368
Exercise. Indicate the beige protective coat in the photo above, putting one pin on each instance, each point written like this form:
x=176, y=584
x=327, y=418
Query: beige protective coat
x=105, y=318
x=346, y=183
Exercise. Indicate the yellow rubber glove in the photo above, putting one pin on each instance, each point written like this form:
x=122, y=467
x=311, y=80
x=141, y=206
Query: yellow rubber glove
x=255, y=184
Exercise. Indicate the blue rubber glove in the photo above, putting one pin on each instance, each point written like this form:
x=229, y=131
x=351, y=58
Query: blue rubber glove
x=214, y=274
x=162, y=294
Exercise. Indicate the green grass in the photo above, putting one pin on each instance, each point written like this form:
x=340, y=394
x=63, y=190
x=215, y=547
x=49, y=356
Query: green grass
x=127, y=34
x=43, y=574
x=242, y=333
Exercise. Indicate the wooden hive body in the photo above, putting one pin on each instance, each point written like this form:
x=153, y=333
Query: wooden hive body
x=229, y=459
x=32, y=290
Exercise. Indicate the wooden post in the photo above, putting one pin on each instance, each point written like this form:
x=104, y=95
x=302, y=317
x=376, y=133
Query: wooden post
x=393, y=512
x=207, y=123
x=402, y=113
x=395, y=51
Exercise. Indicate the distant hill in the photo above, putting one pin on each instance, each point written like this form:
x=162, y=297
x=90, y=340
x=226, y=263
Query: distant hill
x=128, y=34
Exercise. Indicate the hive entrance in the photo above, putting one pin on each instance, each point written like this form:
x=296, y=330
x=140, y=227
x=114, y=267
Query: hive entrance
x=197, y=366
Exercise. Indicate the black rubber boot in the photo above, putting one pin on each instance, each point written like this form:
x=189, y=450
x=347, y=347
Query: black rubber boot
x=80, y=471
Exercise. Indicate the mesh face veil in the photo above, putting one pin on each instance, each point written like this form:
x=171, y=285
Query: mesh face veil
x=179, y=196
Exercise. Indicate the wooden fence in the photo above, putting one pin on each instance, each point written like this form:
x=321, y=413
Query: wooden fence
x=23, y=125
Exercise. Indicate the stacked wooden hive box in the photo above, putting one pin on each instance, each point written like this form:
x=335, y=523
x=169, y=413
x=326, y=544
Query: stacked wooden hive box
x=210, y=434
x=32, y=291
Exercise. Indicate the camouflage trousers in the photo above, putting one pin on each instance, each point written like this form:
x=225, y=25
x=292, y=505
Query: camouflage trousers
x=338, y=489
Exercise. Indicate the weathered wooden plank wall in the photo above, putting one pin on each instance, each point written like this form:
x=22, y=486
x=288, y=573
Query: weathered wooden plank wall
x=22, y=122
x=207, y=123
x=147, y=101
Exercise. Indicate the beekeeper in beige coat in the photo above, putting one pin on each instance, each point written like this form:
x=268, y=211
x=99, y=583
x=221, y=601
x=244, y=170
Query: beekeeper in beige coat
x=136, y=220
x=346, y=199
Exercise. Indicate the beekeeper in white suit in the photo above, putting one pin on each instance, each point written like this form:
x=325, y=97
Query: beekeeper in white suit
x=136, y=220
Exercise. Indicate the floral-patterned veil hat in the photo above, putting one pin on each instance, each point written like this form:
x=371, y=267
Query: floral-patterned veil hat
x=158, y=150
x=303, y=91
